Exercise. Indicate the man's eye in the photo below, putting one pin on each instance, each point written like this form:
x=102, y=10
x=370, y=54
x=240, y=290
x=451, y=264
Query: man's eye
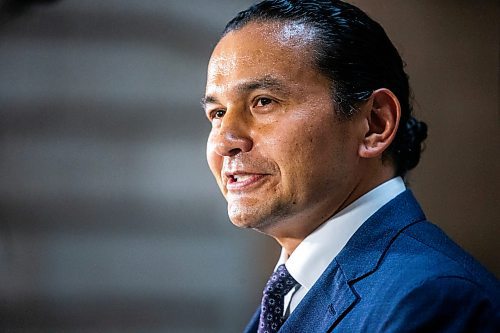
x=218, y=114
x=263, y=101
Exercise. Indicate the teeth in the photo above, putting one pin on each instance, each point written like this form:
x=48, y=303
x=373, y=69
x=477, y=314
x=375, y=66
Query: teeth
x=241, y=178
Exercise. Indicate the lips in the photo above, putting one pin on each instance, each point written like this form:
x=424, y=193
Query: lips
x=242, y=180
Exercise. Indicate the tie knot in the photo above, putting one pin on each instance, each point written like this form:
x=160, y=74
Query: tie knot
x=280, y=282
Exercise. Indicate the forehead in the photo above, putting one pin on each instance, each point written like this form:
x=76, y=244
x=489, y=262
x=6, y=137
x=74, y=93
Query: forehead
x=278, y=49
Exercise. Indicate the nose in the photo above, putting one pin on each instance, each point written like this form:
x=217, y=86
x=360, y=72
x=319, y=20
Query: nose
x=232, y=136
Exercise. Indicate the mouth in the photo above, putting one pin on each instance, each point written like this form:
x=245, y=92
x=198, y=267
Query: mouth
x=243, y=181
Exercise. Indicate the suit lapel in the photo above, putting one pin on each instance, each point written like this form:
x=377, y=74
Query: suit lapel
x=324, y=305
x=333, y=295
x=364, y=251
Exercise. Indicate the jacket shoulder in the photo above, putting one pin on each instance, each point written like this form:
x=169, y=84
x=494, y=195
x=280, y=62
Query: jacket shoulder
x=443, y=304
x=426, y=282
x=437, y=255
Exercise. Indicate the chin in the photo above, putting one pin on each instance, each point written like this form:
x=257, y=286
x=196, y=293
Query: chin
x=242, y=214
x=243, y=221
x=252, y=218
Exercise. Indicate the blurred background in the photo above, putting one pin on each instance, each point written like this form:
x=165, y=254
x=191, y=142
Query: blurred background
x=110, y=219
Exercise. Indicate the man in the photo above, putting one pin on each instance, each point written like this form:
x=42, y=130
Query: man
x=311, y=135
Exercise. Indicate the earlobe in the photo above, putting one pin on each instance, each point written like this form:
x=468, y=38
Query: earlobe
x=383, y=120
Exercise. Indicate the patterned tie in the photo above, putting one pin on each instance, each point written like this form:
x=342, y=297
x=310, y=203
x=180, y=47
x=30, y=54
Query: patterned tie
x=271, y=312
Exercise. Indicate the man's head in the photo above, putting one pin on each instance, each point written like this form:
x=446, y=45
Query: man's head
x=309, y=105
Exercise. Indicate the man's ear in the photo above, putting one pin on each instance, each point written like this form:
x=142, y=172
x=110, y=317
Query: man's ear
x=382, y=119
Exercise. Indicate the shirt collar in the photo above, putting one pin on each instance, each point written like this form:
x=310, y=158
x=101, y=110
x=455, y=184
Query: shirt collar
x=313, y=255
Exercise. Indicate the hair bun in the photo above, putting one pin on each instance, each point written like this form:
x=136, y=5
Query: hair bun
x=410, y=144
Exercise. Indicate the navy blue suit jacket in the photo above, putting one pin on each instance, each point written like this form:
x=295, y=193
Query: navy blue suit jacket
x=398, y=273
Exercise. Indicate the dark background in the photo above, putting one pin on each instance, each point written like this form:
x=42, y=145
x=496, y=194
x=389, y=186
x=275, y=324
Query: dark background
x=110, y=219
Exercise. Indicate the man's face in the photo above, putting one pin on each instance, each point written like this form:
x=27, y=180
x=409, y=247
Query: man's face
x=281, y=157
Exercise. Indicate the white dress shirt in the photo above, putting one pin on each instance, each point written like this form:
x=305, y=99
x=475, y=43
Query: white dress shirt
x=313, y=255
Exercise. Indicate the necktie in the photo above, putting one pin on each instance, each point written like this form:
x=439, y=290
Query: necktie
x=271, y=312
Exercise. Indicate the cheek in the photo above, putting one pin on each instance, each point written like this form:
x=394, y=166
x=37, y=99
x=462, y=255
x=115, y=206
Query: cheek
x=306, y=154
x=295, y=151
x=214, y=160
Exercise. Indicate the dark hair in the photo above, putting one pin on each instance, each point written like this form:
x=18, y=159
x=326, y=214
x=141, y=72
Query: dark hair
x=354, y=52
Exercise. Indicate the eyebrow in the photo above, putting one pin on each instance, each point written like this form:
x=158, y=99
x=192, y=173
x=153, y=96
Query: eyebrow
x=208, y=100
x=266, y=82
